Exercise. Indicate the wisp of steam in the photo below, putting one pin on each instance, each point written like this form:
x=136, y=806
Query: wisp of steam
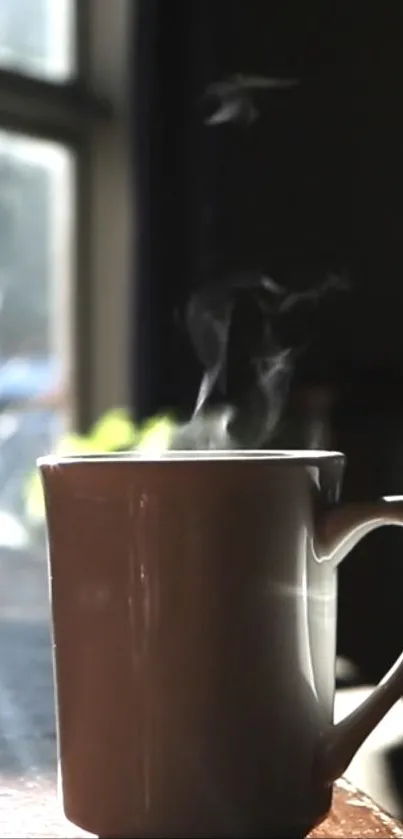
x=234, y=98
x=254, y=419
x=253, y=422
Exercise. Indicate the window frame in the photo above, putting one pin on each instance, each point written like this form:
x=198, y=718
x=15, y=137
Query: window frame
x=90, y=114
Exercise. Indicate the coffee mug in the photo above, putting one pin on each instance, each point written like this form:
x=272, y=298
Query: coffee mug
x=194, y=622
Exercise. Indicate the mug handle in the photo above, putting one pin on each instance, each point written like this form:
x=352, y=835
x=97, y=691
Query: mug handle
x=337, y=532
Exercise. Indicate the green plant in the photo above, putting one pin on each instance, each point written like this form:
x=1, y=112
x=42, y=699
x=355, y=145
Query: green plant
x=113, y=432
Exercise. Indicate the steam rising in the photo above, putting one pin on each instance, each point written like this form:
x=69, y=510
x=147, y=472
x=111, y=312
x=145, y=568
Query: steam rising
x=233, y=97
x=257, y=414
x=254, y=420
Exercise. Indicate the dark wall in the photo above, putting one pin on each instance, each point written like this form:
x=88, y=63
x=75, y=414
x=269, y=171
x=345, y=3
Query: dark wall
x=173, y=65
x=316, y=184
x=370, y=431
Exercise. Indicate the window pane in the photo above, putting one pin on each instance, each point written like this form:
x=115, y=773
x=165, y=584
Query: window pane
x=37, y=37
x=36, y=209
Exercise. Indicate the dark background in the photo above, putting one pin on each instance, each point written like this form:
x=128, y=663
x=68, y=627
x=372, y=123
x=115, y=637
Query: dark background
x=315, y=185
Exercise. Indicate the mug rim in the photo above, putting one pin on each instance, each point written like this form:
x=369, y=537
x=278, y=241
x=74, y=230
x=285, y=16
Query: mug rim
x=194, y=456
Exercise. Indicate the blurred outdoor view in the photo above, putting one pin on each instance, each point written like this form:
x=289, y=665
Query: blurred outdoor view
x=36, y=282
x=35, y=221
x=36, y=205
x=37, y=38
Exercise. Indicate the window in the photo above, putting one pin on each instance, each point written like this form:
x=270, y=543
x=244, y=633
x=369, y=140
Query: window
x=65, y=225
x=36, y=248
x=37, y=37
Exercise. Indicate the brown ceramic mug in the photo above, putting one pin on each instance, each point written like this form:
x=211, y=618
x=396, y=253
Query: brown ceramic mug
x=194, y=621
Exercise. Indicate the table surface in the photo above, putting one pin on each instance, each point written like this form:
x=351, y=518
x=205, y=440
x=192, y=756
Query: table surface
x=354, y=815
x=30, y=809
x=28, y=803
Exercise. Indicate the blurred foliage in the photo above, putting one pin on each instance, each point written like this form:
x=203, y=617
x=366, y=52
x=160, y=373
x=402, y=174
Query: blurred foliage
x=113, y=432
